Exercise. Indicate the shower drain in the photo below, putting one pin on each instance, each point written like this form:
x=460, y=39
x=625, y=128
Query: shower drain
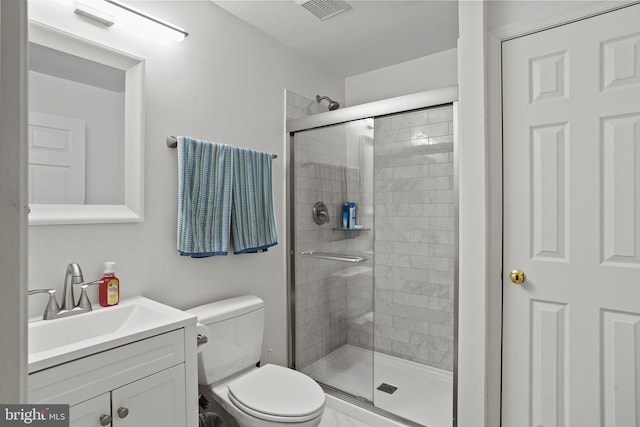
x=387, y=388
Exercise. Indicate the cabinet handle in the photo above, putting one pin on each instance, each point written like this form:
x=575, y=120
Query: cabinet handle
x=123, y=412
x=105, y=420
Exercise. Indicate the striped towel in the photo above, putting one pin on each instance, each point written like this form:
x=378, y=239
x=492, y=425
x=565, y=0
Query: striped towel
x=253, y=223
x=204, y=197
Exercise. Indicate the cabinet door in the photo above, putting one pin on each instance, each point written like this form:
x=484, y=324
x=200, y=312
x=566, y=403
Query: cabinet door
x=157, y=400
x=89, y=412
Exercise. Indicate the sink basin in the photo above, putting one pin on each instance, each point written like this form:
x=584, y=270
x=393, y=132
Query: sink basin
x=52, y=342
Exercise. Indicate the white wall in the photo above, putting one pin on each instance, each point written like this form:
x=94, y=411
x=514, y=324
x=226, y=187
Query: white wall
x=418, y=75
x=507, y=13
x=225, y=82
x=13, y=216
x=472, y=217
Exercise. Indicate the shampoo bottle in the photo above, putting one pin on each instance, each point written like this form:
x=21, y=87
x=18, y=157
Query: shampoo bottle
x=345, y=215
x=109, y=289
x=352, y=214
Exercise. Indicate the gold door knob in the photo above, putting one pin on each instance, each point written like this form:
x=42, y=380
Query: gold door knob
x=518, y=277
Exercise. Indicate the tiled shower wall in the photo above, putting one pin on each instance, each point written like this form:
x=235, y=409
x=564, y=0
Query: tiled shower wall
x=300, y=106
x=414, y=243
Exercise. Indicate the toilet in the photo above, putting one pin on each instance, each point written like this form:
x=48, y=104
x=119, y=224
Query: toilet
x=270, y=395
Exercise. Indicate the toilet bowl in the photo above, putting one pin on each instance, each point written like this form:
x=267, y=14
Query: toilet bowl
x=270, y=395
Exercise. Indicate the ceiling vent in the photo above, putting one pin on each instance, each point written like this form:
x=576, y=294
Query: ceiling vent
x=324, y=9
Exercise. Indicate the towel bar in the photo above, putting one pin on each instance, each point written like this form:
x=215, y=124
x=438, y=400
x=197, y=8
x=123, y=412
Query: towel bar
x=172, y=142
x=332, y=257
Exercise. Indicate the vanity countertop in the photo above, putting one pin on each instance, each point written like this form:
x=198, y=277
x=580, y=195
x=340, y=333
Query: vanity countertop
x=53, y=342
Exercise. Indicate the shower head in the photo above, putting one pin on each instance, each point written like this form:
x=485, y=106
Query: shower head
x=333, y=105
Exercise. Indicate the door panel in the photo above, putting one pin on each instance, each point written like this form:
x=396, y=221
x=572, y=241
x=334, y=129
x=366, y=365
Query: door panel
x=621, y=189
x=56, y=159
x=157, y=400
x=88, y=413
x=549, y=201
x=621, y=367
x=549, y=346
x=571, y=132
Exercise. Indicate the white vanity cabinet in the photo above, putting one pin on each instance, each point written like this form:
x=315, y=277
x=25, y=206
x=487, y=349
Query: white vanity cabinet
x=157, y=400
x=150, y=382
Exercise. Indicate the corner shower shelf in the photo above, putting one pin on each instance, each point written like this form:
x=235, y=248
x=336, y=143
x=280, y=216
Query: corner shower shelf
x=332, y=257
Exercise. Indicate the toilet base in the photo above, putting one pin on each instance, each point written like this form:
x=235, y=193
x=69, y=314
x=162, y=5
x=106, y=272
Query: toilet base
x=216, y=407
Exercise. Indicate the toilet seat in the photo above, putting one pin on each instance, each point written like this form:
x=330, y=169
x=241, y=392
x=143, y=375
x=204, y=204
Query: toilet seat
x=278, y=394
x=274, y=418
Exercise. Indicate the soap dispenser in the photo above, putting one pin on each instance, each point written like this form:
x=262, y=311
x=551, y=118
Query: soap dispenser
x=109, y=289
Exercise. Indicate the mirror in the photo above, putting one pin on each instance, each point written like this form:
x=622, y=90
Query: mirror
x=85, y=131
x=76, y=129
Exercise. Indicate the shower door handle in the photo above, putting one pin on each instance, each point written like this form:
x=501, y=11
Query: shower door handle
x=332, y=257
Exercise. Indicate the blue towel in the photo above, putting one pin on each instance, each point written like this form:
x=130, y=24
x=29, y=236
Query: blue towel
x=204, y=197
x=253, y=223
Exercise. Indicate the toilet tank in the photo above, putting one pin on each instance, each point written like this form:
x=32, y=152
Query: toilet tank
x=234, y=329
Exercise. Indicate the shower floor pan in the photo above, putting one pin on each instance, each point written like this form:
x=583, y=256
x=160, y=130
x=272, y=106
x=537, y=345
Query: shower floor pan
x=423, y=394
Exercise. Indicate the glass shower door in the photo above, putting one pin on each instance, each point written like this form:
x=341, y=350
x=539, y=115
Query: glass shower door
x=333, y=205
x=415, y=247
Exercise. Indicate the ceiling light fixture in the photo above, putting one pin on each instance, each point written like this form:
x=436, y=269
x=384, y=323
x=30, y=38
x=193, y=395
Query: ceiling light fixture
x=94, y=14
x=180, y=34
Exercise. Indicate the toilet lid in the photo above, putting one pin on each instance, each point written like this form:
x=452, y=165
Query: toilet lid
x=278, y=391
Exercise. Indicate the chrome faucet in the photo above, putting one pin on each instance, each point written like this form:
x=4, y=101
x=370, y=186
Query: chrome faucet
x=68, y=296
x=69, y=306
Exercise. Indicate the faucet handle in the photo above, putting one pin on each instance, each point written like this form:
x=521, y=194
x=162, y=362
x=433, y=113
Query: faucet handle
x=84, y=302
x=52, y=308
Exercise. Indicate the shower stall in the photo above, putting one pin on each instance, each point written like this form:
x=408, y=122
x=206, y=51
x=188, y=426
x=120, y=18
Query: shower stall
x=372, y=294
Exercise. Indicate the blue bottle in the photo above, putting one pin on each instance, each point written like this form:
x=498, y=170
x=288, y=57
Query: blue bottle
x=345, y=215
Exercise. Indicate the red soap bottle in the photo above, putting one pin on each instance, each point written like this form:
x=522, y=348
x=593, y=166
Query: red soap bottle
x=109, y=289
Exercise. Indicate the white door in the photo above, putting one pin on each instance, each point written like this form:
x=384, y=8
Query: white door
x=56, y=159
x=571, y=129
x=94, y=412
x=157, y=400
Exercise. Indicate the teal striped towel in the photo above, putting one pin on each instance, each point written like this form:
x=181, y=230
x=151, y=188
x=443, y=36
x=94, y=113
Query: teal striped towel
x=204, y=197
x=253, y=223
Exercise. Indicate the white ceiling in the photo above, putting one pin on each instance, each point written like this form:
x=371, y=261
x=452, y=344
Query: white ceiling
x=372, y=35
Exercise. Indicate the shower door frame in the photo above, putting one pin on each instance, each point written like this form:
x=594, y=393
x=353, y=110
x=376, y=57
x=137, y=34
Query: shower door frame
x=402, y=104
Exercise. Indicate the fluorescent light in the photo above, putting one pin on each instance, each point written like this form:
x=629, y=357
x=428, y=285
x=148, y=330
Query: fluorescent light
x=178, y=33
x=94, y=14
